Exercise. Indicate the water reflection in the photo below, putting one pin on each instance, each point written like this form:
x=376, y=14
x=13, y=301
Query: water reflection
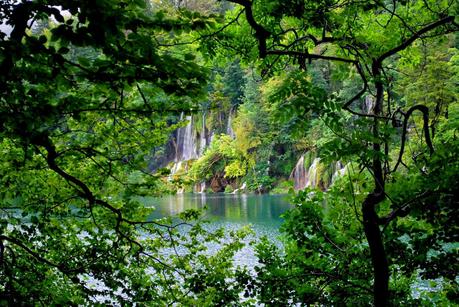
x=240, y=209
x=231, y=212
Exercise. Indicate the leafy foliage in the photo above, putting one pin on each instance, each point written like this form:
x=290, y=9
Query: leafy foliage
x=81, y=107
x=90, y=89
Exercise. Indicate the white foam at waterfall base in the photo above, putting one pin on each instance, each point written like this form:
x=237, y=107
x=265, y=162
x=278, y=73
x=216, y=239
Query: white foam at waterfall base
x=241, y=188
x=202, y=187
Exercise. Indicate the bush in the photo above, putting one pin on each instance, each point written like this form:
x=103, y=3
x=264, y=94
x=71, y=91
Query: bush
x=283, y=187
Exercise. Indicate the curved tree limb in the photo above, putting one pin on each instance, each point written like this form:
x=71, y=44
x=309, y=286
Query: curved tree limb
x=261, y=33
x=415, y=36
x=30, y=252
x=309, y=56
x=425, y=115
x=402, y=210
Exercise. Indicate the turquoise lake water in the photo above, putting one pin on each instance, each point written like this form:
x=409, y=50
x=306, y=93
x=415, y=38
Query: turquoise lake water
x=231, y=211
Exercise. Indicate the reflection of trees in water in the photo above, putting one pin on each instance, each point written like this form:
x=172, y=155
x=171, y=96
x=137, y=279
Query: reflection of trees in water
x=228, y=209
x=237, y=208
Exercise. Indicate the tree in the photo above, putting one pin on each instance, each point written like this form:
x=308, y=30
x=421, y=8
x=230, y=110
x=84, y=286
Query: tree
x=233, y=80
x=81, y=107
x=366, y=37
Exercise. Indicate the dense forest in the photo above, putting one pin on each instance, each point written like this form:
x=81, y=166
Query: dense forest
x=349, y=107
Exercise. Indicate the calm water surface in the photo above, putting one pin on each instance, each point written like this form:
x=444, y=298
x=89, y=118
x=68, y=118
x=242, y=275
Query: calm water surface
x=231, y=211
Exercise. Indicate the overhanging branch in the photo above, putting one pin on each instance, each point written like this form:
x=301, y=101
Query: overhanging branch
x=425, y=115
x=415, y=36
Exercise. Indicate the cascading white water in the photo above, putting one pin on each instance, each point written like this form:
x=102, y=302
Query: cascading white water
x=203, y=139
x=189, y=144
x=179, y=142
x=175, y=168
x=312, y=177
x=229, y=128
x=368, y=104
x=299, y=174
x=340, y=170
x=186, y=143
x=305, y=177
x=202, y=187
x=242, y=188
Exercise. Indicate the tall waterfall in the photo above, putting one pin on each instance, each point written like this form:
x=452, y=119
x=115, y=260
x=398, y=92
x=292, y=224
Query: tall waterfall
x=369, y=104
x=340, y=170
x=299, y=174
x=314, y=175
x=190, y=143
x=203, y=138
x=312, y=179
x=186, y=141
x=229, y=128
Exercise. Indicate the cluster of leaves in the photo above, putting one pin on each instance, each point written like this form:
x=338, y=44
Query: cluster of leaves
x=221, y=157
x=82, y=105
x=325, y=257
x=386, y=58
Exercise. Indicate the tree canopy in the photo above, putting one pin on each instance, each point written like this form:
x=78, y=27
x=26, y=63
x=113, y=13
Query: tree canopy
x=89, y=89
x=373, y=40
x=85, y=87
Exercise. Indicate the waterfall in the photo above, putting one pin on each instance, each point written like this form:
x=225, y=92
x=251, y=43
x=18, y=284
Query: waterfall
x=368, y=104
x=299, y=174
x=202, y=187
x=229, y=128
x=179, y=142
x=175, y=168
x=185, y=148
x=340, y=170
x=203, y=139
x=306, y=177
x=189, y=144
x=186, y=143
x=313, y=174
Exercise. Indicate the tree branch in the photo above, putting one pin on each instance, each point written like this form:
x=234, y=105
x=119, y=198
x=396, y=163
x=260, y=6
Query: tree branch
x=402, y=210
x=425, y=113
x=406, y=43
x=261, y=33
x=309, y=56
x=30, y=251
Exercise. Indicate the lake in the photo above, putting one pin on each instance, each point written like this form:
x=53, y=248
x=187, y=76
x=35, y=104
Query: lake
x=231, y=211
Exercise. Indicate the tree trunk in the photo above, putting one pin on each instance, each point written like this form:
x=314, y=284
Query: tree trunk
x=378, y=254
x=370, y=217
